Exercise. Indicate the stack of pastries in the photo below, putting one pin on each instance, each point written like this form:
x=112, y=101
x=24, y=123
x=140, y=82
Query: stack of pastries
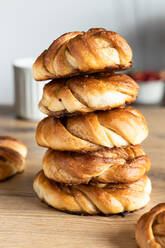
x=94, y=163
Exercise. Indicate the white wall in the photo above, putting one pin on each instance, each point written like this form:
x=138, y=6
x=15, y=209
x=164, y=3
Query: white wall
x=29, y=26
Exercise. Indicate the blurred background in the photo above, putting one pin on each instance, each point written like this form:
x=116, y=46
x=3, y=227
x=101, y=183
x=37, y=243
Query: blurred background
x=28, y=27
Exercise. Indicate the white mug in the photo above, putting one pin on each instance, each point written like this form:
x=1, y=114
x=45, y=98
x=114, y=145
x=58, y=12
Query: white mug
x=151, y=92
x=28, y=92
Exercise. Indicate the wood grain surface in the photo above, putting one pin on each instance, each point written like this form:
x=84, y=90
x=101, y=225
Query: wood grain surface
x=26, y=222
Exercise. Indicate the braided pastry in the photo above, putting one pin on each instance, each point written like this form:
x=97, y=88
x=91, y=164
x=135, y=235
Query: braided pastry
x=12, y=157
x=93, y=199
x=14, y=144
x=87, y=94
x=83, y=52
x=114, y=128
x=113, y=165
x=150, y=228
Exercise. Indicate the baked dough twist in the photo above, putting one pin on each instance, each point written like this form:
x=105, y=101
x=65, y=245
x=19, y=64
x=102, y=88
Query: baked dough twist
x=12, y=156
x=87, y=94
x=114, y=128
x=77, y=53
x=14, y=144
x=150, y=228
x=114, y=165
x=93, y=199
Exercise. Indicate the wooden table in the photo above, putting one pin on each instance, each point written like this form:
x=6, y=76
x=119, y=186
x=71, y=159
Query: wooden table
x=26, y=222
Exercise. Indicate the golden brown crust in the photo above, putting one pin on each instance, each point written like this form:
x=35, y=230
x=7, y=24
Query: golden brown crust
x=39, y=70
x=114, y=128
x=150, y=228
x=93, y=199
x=88, y=52
x=14, y=144
x=54, y=48
x=114, y=165
x=11, y=162
x=12, y=156
x=52, y=133
x=87, y=94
